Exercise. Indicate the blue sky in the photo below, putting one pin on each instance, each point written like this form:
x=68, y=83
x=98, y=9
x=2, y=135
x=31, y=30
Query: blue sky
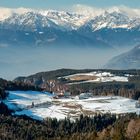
x=64, y=4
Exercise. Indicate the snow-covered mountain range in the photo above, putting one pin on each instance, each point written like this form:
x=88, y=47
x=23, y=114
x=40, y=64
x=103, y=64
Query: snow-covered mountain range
x=70, y=20
x=47, y=27
x=113, y=20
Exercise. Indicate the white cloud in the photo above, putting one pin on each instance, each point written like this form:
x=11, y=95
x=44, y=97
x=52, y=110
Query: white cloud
x=87, y=10
x=6, y=12
x=22, y=10
x=130, y=11
x=93, y=11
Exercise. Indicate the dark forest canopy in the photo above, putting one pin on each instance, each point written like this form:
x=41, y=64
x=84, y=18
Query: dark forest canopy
x=100, y=127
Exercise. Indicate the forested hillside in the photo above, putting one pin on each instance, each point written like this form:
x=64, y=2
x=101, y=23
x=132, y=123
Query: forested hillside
x=99, y=127
x=49, y=75
x=130, y=89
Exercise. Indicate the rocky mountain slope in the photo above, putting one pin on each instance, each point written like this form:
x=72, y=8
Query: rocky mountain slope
x=128, y=60
x=110, y=29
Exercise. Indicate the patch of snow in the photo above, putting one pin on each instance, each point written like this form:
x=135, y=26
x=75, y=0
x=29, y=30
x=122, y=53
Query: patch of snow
x=26, y=33
x=41, y=32
x=101, y=77
x=111, y=104
x=22, y=99
x=62, y=108
x=51, y=39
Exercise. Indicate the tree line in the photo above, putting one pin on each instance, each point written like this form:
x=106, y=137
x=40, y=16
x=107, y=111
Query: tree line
x=129, y=90
x=11, y=85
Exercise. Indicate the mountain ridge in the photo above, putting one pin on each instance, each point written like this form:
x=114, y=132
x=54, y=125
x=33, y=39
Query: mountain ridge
x=108, y=30
x=67, y=28
x=63, y=18
x=129, y=60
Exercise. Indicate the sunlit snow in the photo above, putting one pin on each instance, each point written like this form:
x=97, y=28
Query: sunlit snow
x=45, y=106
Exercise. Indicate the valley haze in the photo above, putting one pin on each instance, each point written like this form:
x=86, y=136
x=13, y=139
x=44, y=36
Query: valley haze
x=34, y=40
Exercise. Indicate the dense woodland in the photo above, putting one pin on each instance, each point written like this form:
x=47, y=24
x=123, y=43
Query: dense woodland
x=129, y=90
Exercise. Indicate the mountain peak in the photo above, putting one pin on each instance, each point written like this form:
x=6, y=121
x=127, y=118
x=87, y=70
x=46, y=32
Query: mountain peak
x=49, y=25
x=112, y=20
x=7, y=12
x=109, y=18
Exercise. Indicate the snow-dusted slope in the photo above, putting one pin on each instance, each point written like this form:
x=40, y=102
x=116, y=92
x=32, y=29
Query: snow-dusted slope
x=95, y=77
x=129, y=60
x=24, y=99
x=29, y=21
x=41, y=19
x=45, y=106
x=113, y=20
x=66, y=19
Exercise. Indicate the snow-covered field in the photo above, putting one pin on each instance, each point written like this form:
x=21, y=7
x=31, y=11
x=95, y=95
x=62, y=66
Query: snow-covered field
x=97, y=77
x=45, y=106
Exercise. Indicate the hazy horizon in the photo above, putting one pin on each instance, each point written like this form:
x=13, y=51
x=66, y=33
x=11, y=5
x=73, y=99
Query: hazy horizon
x=26, y=60
x=23, y=61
